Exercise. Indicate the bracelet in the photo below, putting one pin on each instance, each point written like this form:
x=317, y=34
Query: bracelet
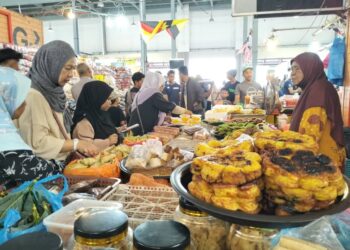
x=75, y=144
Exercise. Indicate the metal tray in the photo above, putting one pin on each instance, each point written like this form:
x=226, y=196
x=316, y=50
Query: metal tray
x=182, y=176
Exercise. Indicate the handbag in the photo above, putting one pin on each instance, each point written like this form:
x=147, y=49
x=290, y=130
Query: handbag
x=73, y=155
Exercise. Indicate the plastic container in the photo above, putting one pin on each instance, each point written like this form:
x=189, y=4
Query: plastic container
x=62, y=221
x=162, y=235
x=243, y=238
x=205, y=230
x=101, y=229
x=34, y=241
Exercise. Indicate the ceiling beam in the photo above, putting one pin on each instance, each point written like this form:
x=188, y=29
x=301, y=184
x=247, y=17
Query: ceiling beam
x=6, y=3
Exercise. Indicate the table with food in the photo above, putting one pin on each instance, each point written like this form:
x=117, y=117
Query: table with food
x=229, y=181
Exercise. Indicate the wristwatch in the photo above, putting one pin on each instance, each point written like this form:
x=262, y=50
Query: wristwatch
x=75, y=144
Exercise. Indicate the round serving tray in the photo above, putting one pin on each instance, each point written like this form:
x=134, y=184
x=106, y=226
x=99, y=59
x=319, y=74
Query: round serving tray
x=182, y=176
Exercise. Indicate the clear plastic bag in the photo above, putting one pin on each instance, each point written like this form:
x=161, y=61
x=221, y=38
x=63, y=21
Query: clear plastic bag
x=320, y=232
x=138, y=157
x=202, y=134
x=155, y=147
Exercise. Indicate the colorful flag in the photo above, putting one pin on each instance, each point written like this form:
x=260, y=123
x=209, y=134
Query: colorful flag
x=150, y=28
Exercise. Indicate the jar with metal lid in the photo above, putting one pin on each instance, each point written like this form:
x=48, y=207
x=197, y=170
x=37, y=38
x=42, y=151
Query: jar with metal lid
x=207, y=232
x=102, y=229
x=243, y=238
x=34, y=241
x=162, y=235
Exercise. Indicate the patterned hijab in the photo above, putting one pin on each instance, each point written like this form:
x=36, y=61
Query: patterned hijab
x=317, y=92
x=47, y=65
x=14, y=88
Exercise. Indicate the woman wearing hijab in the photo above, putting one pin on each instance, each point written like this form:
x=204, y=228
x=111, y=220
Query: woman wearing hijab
x=149, y=107
x=318, y=112
x=17, y=161
x=91, y=121
x=42, y=124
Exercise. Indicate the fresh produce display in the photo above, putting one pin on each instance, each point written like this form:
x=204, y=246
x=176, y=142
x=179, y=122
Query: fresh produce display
x=293, y=178
x=104, y=164
x=30, y=205
x=231, y=180
x=227, y=128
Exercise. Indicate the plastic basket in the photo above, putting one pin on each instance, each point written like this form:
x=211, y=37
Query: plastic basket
x=142, y=204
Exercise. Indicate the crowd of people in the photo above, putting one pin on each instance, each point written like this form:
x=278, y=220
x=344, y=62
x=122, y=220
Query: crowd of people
x=37, y=137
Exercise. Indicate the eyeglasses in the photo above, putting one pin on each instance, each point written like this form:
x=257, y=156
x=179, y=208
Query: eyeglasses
x=295, y=68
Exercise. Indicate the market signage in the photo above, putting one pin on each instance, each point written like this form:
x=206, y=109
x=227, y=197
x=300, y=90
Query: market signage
x=20, y=30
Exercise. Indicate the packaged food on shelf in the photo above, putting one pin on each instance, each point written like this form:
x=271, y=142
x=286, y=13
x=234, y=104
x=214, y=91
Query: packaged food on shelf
x=62, y=221
x=207, y=232
x=101, y=229
x=244, y=238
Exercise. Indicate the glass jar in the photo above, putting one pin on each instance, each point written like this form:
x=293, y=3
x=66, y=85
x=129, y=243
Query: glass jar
x=207, y=232
x=162, y=235
x=243, y=238
x=102, y=229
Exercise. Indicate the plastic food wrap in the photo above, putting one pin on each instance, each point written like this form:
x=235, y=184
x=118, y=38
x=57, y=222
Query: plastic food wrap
x=202, y=134
x=331, y=232
x=154, y=147
x=138, y=157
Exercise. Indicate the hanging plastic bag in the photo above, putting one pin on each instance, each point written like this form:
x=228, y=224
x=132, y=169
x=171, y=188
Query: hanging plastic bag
x=22, y=211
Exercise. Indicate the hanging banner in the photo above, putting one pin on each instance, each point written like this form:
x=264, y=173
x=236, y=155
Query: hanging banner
x=150, y=28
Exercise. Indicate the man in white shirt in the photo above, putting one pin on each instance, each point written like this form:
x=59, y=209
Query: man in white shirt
x=85, y=74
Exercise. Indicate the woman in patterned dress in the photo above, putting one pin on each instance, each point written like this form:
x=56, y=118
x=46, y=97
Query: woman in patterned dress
x=17, y=161
x=318, y=112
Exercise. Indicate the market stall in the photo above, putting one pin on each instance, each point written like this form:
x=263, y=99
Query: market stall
x=236, y=182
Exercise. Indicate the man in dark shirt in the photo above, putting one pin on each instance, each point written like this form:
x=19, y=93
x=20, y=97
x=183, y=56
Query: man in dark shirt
x=192, y=93
x=137, y=79
x=289, y=89
x=172, y=89
x=231, y=85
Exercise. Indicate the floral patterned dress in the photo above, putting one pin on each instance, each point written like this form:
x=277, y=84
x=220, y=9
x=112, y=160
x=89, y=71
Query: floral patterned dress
x=316, y=124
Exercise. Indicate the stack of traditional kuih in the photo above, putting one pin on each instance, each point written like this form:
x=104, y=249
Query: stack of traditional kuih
x=297, y=180
x=230, y=178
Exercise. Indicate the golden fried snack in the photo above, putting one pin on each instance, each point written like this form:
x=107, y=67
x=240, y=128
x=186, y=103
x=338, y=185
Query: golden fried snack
x=222, y=147
x=249, y=191
x=234, y=204
x=277, y=140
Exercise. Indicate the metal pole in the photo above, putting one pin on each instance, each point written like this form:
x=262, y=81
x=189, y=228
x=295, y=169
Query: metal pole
x=143, y=44
x=75, y=30
x=255, y=45
x=173, y=41
x=104, y=44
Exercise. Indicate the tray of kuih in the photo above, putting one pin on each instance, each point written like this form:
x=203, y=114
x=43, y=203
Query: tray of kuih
x=273, y=179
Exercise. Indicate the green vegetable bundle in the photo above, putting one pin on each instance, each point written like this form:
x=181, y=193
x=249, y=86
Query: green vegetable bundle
x=227, y=128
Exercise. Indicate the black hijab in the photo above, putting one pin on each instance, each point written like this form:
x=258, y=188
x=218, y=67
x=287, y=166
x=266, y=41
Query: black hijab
x=92, y=96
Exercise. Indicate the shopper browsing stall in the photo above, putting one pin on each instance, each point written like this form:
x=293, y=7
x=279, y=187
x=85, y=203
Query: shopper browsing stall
x=137, y=79
x=91, y=120
x=172, y=88
x=248, y=85
x=150, y=107
x=17, y=160
x=116, y=113
x=85, y=74
x=318, y=112
x=42, y=124
x=223, y=98
x=192, y=94
x=231, y=85
x=10, y=58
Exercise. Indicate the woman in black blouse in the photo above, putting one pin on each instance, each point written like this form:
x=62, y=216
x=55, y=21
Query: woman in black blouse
x=149, y=107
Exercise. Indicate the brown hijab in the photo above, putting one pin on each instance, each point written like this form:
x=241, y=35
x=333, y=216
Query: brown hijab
x=317, y=92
